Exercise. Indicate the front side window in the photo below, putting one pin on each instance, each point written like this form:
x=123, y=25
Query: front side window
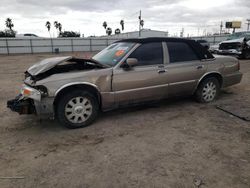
x=148, y=54
x=114, y=53
x=180, y=52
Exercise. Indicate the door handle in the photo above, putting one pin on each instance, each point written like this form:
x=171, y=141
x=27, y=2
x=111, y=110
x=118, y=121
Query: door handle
x=200, y=67
x=162, y=71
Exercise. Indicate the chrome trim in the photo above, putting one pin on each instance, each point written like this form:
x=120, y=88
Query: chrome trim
x=165, y=53
x=142, y=88
x=76, y=83
x=211, y=59
x=182, y=82
x=208, y=74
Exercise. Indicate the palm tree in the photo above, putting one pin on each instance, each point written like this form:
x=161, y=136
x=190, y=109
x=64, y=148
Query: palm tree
x=142, y=23
x=48, y=25
x=56, y=24
x=105, y=25
x=109, y=31
x=117, y=31
x=9, y=23
x=60, y=28
x=122, y=24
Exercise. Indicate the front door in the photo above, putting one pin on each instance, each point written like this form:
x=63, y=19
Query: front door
x=143, y=82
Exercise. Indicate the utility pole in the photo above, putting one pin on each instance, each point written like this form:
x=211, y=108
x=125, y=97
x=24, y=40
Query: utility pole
x=221, y=26
x=248, y=24
x=140, y=24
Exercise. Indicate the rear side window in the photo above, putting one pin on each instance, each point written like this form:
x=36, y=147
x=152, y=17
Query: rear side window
x=148, y=54
x=180, y=51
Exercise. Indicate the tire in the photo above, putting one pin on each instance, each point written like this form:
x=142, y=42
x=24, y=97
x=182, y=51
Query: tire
x=208, y=90
x=77, y=109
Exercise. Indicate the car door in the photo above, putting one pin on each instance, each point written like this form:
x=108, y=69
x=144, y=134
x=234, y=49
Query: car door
x=144, y=81
x=184, y=68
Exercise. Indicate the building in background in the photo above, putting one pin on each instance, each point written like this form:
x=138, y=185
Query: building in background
x=135, y=34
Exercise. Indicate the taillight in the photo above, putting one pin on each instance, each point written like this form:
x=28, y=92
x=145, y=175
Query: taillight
x=238, y=65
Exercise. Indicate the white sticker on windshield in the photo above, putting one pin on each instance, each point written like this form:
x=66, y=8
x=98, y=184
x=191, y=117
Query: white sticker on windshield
x=122, y=48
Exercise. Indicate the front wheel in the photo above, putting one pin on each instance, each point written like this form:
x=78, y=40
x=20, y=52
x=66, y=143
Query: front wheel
x=208, y=90
x=77, y=109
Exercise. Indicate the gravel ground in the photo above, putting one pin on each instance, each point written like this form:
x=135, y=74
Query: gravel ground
x=176, y=143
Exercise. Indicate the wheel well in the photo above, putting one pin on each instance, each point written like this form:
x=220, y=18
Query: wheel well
x=215, y=75
x=85, y=87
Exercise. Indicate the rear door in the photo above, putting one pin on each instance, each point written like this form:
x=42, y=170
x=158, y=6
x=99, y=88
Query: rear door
x=145, y=81
x=184, y=68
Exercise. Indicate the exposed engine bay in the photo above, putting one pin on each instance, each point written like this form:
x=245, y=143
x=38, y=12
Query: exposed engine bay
x=69, y=65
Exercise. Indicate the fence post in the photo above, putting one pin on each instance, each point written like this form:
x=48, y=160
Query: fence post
x=214, y=39
x=31, y=47
x=72, y=48
x=7, y=46
x=52, y=48
x=90, y=45
x=107, y=42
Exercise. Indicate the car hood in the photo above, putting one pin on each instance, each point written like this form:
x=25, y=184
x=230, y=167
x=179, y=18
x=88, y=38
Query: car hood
x=46, y=65
x=239, y=40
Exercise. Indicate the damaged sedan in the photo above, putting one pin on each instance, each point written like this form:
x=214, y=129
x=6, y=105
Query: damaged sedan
x=236, y=47
x=128, y=72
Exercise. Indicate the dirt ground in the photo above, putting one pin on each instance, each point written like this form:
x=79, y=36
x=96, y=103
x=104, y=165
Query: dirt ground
x=170, y=144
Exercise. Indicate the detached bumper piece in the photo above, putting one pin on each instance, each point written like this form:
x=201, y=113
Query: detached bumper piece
x=22, y=106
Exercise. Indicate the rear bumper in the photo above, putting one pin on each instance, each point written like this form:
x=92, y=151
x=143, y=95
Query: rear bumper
x=232, y=79
x=22, y=106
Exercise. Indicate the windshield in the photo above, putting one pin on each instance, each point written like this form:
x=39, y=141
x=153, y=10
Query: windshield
x=114, y=53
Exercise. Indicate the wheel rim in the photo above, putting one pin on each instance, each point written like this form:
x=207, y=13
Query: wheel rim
x=209, y=92
x=78, y=110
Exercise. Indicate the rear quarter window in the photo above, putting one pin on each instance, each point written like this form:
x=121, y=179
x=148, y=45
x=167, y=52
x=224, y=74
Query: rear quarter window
x=180, y=52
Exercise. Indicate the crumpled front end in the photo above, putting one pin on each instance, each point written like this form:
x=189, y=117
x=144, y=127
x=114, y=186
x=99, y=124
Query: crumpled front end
x=21, y=106
x=29, y=101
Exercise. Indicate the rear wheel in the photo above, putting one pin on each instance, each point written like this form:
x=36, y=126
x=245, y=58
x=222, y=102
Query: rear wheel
x=208, y=90
x=77, y=109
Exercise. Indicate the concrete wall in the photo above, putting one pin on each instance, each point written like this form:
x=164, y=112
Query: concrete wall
x=47, y=45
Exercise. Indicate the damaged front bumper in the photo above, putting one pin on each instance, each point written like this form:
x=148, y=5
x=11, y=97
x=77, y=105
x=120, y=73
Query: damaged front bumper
x=32, y=101
x=22, y=106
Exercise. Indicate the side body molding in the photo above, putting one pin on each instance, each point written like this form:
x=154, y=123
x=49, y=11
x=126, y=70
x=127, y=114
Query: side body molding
x=76, y=83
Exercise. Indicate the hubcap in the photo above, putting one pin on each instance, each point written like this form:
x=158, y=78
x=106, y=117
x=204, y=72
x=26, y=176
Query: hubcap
x=78, y=110
x=209, y=92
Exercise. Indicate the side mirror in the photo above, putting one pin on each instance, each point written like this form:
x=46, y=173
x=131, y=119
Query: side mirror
x=130, y=62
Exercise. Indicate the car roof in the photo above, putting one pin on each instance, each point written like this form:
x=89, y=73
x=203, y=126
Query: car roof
x=155, y=39
x=198, y=48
